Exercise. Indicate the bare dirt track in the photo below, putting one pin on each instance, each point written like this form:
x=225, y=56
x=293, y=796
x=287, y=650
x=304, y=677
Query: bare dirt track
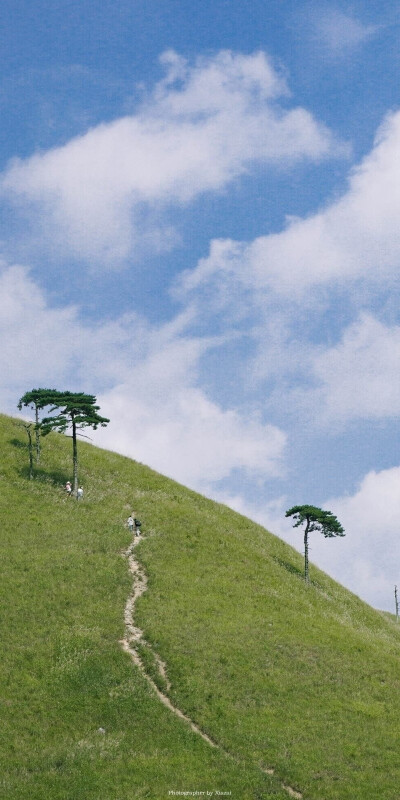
x=134, y=637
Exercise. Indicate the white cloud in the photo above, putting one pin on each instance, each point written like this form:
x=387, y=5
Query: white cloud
x=368, y=557
x=201, y=127
x=35, y=341
x=162, y=418
x=355, y=238
x=146, y=382
x=43, y=345
x=360, y=376
x=340, y=33
x=288, y=292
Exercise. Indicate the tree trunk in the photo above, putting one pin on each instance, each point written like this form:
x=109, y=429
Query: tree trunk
x=306, y=573
x=37, y=434
x=74, y=459
x=28, y=430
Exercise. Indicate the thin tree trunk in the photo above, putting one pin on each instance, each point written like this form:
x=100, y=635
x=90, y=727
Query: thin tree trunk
x=306, y=572
x=37, y=434
x=28, y=430
x=74, y=458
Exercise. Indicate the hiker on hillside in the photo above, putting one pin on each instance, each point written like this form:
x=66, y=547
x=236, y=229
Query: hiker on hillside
x=131, y=523
x=137, y=524
x=68, y=488
x=79, y=494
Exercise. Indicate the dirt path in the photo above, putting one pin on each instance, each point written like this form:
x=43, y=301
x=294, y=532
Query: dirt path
x=134, y=638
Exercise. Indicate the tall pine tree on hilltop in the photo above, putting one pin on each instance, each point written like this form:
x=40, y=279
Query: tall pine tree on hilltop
x=76, y=410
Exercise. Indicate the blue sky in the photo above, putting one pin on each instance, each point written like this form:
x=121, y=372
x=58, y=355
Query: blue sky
x=200, y=224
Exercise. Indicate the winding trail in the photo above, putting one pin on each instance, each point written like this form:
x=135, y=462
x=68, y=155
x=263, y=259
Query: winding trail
x=134, y=637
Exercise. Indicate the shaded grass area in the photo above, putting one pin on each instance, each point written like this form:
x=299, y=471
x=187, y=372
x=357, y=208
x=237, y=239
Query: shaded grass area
x=78, y=720
x=301, y=679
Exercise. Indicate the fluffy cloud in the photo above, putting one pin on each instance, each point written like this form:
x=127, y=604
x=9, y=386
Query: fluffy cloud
x=161, y=416
x=35, y=341
x=293, y=292
x=340, y=33
x=368, y=556
x=146, y=382
x=42, y=345
x=360, y=376
x=354, y=239
x=180, y=432
x=93, y=196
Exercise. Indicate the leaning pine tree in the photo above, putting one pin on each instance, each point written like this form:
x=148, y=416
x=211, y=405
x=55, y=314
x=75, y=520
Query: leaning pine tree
x=76, y=411
x=37, y=399
x=315, y=519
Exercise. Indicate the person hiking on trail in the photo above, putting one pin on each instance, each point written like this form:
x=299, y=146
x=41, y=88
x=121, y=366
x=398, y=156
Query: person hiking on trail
x=137, y=524
x=79, y=493
x=68, y=488
x=131, y=523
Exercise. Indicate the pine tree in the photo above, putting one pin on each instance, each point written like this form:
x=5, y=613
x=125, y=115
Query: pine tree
x=76, y=411
x=37, y=399
x=315, y=519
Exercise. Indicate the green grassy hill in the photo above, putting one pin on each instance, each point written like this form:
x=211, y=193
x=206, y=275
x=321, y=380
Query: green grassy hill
x=300, y=680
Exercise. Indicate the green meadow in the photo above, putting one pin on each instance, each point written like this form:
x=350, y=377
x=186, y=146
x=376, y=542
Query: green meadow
x=301, y=680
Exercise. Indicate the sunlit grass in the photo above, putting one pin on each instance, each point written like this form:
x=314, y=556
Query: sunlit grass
x=63, y=674
x=301, y=679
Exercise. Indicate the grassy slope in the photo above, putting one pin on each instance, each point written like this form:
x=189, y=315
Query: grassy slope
x=304, y=680
x=63, y=674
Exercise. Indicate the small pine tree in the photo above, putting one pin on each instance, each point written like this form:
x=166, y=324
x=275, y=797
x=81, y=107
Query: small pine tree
x=37, y=399
x=315, y=519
